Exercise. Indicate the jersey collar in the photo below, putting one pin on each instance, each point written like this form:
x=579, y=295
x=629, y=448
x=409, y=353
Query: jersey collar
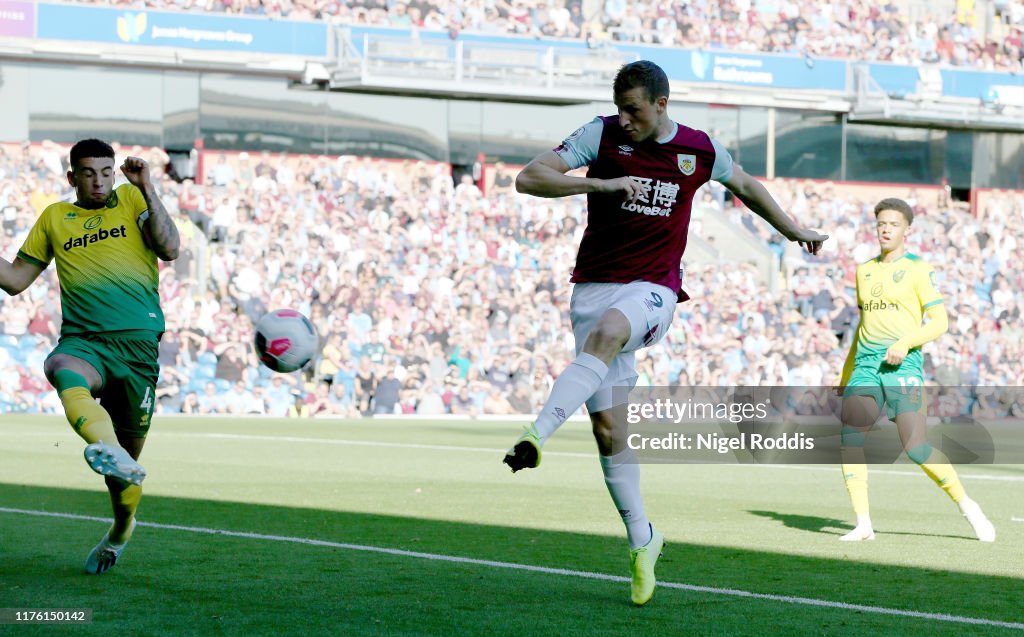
x=879, y=261
x=667, y=138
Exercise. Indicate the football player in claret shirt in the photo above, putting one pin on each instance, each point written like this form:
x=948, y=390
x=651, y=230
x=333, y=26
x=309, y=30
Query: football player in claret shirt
x=105, y=245
x=643, y=172
x=895, y=290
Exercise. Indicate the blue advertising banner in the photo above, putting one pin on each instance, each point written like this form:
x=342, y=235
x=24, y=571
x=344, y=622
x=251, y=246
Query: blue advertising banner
x=895, y=79
x=743, y=69
x=181, y=30
x=983, y=85
x=714, y=66
x=700, y=66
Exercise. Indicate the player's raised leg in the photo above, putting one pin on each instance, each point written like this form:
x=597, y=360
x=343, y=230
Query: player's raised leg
x=572, y=388
x=858, y=415
x=75, y=381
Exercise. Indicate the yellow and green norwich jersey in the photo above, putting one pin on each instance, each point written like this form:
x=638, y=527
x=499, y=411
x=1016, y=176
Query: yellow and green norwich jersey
x=108, y=275
x=892, y=298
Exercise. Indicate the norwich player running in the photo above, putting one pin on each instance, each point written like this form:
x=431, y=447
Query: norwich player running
x=884, y=366
x=106, y=246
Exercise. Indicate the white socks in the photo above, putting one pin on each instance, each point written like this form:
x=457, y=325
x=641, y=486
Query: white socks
x=573, y=387
x=622, y=475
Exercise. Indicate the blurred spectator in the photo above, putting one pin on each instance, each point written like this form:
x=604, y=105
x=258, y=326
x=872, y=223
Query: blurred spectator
x=299, y=407
x=385, y=398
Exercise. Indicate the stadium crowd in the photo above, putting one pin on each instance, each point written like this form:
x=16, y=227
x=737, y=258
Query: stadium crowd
x=851, y=29
x=436, y=298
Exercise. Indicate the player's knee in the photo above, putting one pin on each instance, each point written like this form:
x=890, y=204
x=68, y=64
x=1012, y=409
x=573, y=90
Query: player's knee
x=61, y=369
x=50, y=368
x=859, y=412
x=920, y=453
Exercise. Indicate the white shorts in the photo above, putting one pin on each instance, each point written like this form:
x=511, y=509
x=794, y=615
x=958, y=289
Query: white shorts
x=648, y=307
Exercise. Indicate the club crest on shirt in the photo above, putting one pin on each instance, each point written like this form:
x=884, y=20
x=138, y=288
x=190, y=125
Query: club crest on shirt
x=687, y=163
x=898, y=276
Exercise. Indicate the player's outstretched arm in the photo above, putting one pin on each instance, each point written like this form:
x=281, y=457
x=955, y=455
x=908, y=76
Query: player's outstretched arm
x=17, y=275
x=159, y=230
x=752, y=193
x=545, y=176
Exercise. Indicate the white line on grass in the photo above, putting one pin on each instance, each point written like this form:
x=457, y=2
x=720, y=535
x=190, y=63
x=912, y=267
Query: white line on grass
x=732, y=592
x=565, y=454
x=364, y=443
x=1017, y=519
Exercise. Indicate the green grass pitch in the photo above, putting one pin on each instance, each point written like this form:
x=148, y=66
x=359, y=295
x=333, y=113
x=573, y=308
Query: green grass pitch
x=279, y=527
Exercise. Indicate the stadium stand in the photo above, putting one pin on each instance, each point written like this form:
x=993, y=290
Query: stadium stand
x=415, y=285
x=906, y=33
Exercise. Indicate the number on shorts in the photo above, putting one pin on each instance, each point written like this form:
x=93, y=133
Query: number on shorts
x=909, y=381
x=910, y=386
x=147, y=401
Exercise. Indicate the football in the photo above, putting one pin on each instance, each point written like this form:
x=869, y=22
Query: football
x=285, y=340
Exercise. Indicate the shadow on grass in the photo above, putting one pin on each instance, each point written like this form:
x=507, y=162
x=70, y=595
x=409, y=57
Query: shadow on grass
x=828, y=526
x=178, y=581
x=832, y=526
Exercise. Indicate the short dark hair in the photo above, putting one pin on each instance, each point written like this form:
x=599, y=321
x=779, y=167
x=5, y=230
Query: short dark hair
x=90, y=148
x=642, y=73
x=900, y=206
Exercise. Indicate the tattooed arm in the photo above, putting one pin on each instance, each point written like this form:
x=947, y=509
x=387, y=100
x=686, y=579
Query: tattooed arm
x=158, y=229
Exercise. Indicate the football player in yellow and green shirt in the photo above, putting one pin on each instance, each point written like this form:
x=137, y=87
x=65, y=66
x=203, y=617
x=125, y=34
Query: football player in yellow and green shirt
x=895, y=290
x=105, y=245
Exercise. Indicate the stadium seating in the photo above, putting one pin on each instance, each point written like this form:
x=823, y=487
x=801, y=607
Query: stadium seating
x=434, y=282
x=905, y=33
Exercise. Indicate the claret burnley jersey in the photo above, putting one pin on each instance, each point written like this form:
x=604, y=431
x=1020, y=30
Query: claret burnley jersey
x=645, y=240
x=108, y=275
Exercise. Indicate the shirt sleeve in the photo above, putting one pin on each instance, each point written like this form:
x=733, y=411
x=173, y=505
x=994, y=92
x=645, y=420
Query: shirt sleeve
x=722, y=170
x=581, y=146
x=37, y=249
x=926, y=292
x=135, y=199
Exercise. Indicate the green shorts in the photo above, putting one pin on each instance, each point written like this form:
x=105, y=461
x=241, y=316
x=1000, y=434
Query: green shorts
x=128, y=368
x=899, y=387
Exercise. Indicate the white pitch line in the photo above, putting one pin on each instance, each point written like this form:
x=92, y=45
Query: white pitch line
x=563, y=454
x=364, y=443
x=1015, y=519
x=731, y=592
